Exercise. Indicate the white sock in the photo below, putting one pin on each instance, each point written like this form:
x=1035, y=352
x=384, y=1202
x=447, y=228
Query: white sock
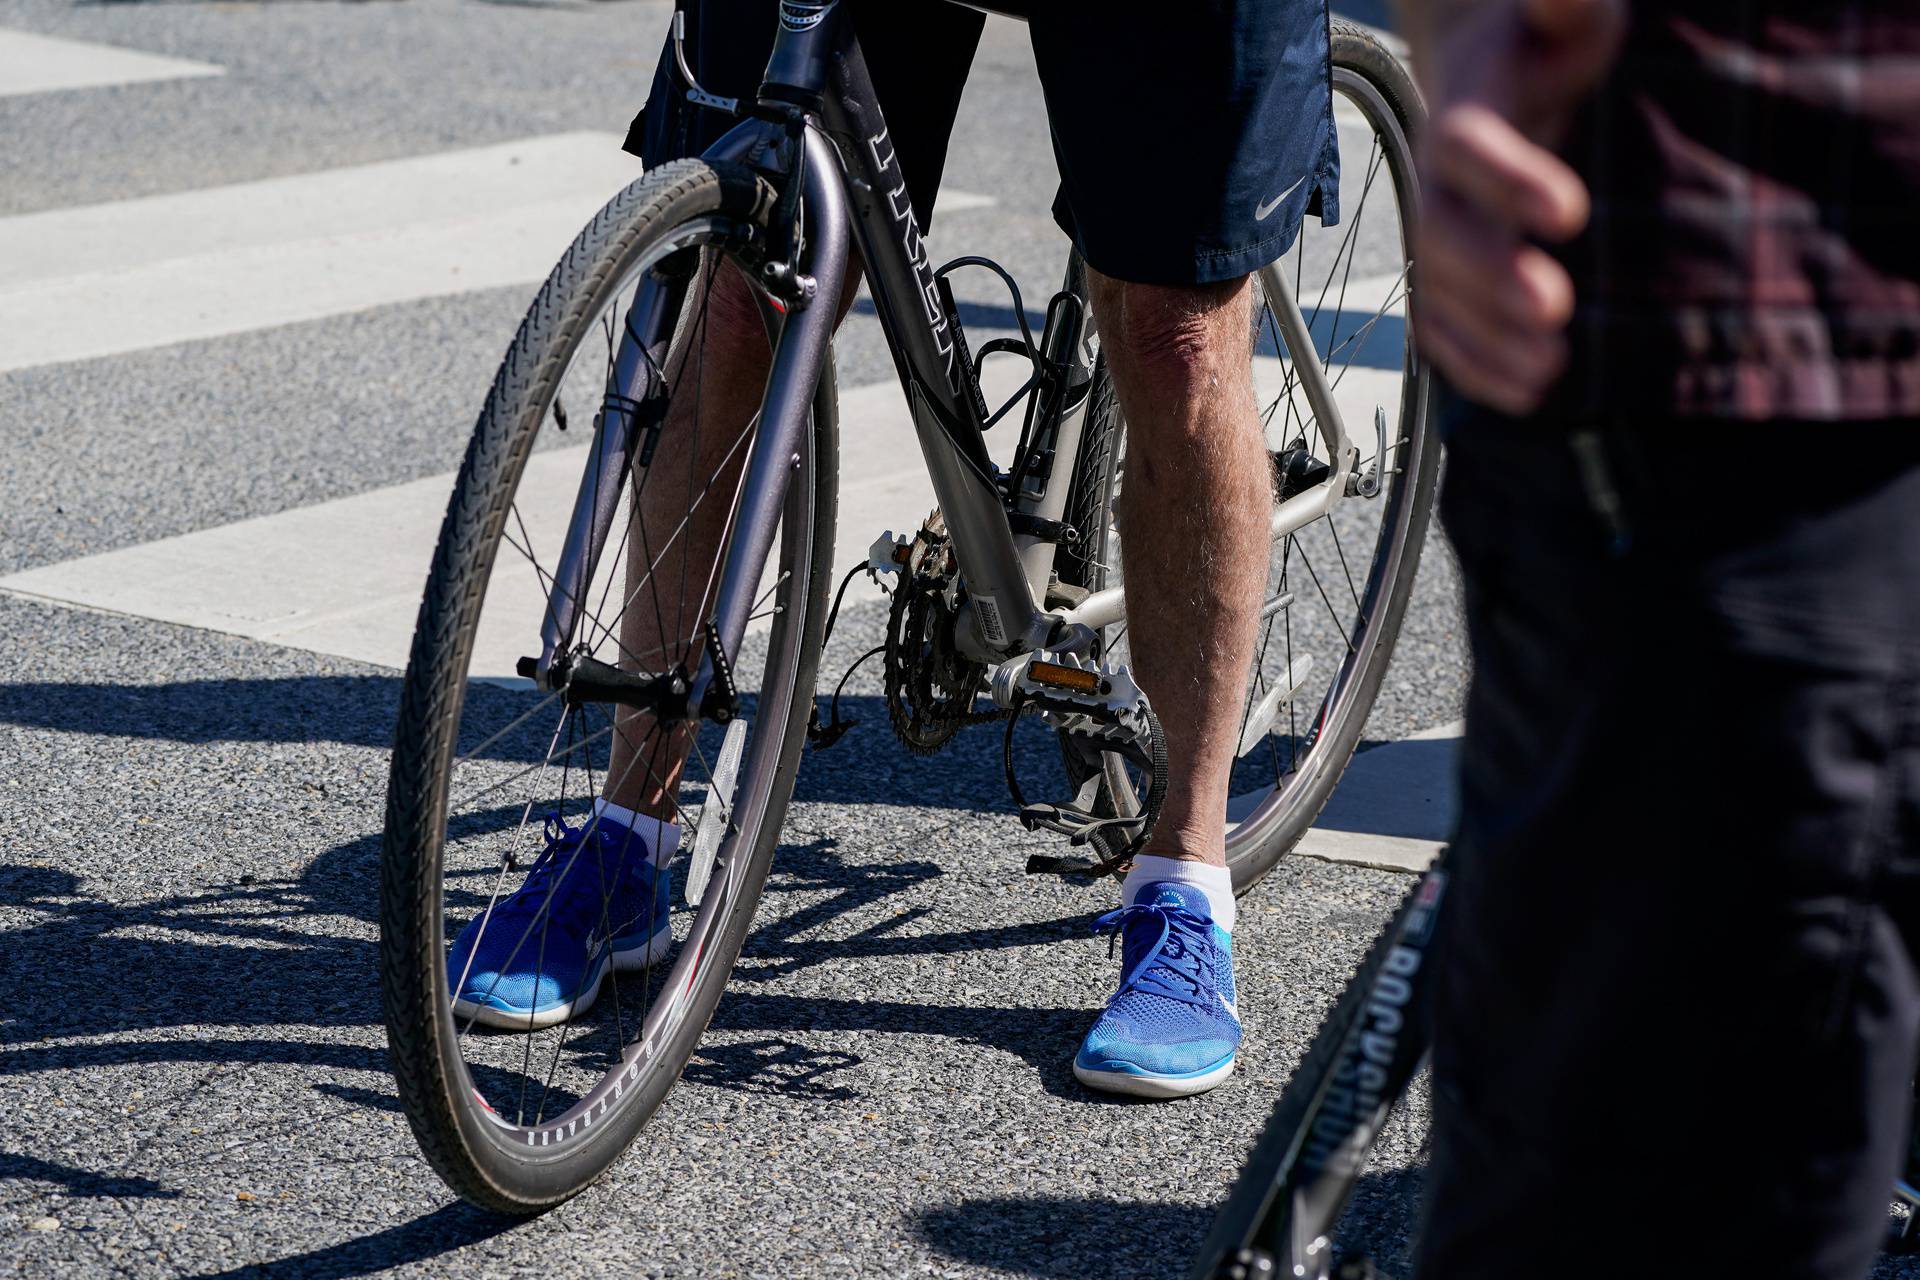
x=662, y=837
x=1215, y=882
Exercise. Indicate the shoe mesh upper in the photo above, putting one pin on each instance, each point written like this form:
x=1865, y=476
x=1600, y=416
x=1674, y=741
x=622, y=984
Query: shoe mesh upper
x=532, y=947
x=1170, y=946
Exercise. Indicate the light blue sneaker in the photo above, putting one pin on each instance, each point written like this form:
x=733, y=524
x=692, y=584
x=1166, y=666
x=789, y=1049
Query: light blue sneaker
x=591, y=902
x=1171, y=1029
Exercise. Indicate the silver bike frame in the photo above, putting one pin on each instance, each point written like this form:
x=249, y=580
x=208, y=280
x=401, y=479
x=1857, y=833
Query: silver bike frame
x=851, y=184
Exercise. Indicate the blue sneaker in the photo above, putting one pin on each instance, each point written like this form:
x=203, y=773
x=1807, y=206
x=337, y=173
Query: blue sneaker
x=1171, y=1029
x=591, y=902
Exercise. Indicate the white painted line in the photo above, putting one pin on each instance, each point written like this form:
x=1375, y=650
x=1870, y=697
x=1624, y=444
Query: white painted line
x=93, y=281
x=1395, y=807
x=952, y=201
x=344, y=577
x=135, y=274
x=42, y=64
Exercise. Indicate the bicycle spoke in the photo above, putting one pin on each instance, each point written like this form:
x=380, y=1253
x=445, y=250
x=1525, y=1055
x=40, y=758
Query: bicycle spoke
x=1340, y=551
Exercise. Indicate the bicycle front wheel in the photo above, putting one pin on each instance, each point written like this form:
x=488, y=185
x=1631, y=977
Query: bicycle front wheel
x=518, y=1115
x=1337, y=586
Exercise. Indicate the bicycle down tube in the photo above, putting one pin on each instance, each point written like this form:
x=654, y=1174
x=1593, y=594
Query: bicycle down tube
x=1006, y=617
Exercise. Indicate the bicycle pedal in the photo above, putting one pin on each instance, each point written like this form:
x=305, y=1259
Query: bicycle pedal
x=1076, y=695
x=1083, y=869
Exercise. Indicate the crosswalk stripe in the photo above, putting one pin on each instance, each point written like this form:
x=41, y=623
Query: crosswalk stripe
x=202, y=264
x=343, y=577
x=1394, y=808
x=31, y=63
x=110, y=278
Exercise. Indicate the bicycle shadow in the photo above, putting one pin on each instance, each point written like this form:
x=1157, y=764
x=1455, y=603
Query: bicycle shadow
x=1072, y=1237
x=277, y=970
x=184, y=955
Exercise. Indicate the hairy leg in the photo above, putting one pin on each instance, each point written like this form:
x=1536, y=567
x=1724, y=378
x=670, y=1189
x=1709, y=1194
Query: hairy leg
x=1193, y=519
x=718, y=374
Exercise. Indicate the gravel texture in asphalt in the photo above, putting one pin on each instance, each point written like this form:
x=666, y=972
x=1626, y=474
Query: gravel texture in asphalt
x=198, y=1069
x=197, y=1074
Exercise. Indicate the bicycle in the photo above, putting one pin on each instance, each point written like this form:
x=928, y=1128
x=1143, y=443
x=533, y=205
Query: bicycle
x=525, y=673
x=1282, y=1215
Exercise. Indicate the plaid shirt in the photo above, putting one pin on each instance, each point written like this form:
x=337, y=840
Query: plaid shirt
x=1755, y=245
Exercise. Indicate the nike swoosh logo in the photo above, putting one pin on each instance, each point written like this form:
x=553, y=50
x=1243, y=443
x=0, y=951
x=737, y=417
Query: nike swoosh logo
x=1260, y=212
x=1231, y=1006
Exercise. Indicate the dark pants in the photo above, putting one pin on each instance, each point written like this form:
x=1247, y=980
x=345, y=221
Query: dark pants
x=1678, y=1012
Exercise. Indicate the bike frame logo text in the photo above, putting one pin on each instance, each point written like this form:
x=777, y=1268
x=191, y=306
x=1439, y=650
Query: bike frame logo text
x=900, y=209
x=1355, y=1102
x=798, y=15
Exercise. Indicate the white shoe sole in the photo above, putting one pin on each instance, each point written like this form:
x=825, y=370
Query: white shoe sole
x=1153, y=1086
x=627, y=961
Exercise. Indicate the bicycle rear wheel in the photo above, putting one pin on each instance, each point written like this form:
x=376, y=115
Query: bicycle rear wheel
x=1338, y=587
x=518, y=1117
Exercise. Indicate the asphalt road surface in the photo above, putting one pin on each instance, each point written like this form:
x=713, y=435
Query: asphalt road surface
x=191, y=792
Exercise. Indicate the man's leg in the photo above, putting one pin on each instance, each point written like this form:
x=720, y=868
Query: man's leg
x=1194, y=514
x=719, y=380
x=1194, y=519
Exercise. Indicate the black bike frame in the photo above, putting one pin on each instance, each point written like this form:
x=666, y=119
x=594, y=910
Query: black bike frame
x=1280, y=1217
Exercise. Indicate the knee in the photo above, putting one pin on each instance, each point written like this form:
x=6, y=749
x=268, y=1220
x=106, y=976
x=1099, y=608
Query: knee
x=1177, y=339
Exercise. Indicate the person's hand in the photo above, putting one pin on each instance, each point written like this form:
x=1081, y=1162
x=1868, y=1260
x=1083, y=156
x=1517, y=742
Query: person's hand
x=1503, y=79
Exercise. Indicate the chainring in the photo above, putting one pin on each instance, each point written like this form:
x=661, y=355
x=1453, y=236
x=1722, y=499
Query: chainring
x=930, y=684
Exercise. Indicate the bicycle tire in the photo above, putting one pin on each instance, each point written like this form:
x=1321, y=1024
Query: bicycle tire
x=1267, y=1174
x=1356, y=52
x=464, y=1146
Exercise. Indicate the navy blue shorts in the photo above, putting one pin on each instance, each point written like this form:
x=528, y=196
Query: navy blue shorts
x=1191, y=139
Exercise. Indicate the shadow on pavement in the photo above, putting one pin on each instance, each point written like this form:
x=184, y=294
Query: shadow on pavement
x=1056, y=1236
x=95, y=979
x=1042, y=1038
x=83, y=1182
x=441, y=1231
x=1071, y=1238
x=773, y=1066
x=867, y=767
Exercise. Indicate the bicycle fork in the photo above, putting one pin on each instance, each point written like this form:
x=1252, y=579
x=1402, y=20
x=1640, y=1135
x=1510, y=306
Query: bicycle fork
x=634, y=407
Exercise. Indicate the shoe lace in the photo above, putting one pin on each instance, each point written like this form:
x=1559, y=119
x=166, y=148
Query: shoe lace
x=1175, y=966
x=540, y=890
